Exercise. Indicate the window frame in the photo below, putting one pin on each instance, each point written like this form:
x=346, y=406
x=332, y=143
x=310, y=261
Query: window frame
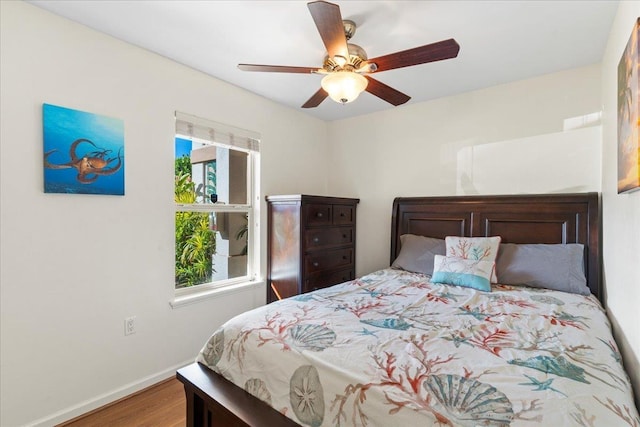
x=192, y=128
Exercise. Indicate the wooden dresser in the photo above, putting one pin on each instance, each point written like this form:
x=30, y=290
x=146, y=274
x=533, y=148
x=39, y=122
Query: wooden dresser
x=311, y=243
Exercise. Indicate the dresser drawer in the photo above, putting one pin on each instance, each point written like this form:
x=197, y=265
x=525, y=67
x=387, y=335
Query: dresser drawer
x=328, y=260
x=316, y=238
x=343, y=214
x=317, y=214
x=322, y=280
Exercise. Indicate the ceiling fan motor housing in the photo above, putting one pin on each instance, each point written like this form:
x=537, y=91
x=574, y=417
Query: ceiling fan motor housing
x=357, y=56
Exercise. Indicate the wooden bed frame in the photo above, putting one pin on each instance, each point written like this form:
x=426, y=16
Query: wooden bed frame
x=550, y=218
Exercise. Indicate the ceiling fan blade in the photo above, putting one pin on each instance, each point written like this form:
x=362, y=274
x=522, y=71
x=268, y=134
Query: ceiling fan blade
x=277, y=68
x=329, y=23
x=386, y=93
x=418, y=55
x=316, y=99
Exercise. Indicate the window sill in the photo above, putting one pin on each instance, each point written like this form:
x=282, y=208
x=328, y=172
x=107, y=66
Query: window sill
x=213, y=293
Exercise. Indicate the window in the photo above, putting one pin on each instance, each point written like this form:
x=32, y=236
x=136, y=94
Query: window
x=216, y=203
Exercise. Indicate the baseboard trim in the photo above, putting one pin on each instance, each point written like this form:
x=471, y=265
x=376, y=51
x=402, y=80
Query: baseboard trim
x=89, y=405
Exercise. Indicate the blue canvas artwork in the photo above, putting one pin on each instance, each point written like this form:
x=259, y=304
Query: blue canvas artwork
x=83, y=152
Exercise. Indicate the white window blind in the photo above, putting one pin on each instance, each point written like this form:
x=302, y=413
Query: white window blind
x=191, y=126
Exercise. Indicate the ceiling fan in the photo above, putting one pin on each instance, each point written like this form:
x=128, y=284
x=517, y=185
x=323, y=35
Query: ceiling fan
x=346, y=66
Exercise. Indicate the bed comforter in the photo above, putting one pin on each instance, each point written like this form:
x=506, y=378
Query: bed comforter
x=393, y=349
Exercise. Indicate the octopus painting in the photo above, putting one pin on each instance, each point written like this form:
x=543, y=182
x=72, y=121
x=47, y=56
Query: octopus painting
x=83, y=153
x=91, y=165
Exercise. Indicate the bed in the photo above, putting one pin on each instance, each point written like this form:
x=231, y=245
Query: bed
x=394, y=348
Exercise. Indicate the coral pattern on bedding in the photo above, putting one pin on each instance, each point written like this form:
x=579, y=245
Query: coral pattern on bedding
x=392, y=349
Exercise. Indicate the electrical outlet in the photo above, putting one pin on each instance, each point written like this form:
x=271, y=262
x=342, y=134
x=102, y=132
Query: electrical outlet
x=130, y=325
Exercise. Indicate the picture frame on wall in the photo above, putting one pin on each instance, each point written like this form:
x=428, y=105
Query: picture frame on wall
x=629, y=115
x=83, y=152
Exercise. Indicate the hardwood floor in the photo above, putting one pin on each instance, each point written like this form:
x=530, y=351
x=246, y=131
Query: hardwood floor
x=161, y=405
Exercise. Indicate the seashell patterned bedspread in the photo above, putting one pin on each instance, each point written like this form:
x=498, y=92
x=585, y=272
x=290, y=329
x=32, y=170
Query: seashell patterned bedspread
x=393, y=349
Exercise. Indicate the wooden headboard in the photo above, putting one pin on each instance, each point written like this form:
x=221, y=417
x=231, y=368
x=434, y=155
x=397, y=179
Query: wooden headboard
x=542, y=218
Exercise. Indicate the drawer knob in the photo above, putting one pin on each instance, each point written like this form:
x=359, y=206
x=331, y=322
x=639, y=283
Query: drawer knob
x=315, y=264
x=341, y=213
x=319, y=215
x=316, y=240
x=344, y=236
x=344, y=257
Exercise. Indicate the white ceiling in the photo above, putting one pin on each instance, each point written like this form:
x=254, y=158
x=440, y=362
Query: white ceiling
x=500, y=41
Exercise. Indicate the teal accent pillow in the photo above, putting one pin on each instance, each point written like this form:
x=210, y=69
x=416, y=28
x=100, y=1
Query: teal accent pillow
x=465, y=272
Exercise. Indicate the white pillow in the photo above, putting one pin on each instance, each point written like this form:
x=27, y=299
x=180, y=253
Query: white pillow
x=474, y=248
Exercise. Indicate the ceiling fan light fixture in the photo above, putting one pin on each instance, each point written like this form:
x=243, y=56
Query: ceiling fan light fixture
x=344, y=86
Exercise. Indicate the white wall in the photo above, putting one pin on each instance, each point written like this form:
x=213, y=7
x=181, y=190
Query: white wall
x=621, y=212
x=73, y=267
x=532, y=164
x=467, y=144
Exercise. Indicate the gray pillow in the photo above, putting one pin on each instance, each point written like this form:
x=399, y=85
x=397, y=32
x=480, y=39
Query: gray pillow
x=559, y=267
x=417, y=253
